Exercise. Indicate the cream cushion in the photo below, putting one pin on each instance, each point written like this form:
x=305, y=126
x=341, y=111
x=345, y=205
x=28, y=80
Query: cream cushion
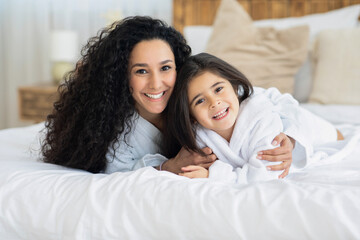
x=337, y=67
x=268, y=57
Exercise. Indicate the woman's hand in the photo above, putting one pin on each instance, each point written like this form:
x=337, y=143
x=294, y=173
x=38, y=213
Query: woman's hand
x=185, y=158
x=193, y=171
x=280, y=154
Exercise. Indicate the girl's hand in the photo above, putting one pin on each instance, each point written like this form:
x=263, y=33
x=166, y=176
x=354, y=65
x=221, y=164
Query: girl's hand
x=280, y=154
x=185, y=158
x=193, y=171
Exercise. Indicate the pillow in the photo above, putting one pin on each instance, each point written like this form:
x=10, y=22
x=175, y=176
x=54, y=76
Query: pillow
x=198, y=36
x=268, y=57
x=340, y=18
x=337, y=67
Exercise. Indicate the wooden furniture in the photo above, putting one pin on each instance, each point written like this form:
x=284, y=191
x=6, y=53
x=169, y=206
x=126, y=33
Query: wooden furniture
x=36, y=102
x=202, y=12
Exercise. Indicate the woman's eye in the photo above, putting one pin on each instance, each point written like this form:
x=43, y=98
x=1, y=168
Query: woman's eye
x=199, y=101
x=165, y=68
x=141, y=71
x=218, y=89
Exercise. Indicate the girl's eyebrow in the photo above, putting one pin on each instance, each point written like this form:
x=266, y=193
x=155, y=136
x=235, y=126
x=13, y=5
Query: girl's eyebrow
x=146, y=65
x=198, y=95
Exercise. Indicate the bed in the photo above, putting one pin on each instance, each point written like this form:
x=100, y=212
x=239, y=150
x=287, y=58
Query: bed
x=46, y=201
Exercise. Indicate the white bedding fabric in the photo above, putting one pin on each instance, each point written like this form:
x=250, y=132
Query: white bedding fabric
x=44, y=201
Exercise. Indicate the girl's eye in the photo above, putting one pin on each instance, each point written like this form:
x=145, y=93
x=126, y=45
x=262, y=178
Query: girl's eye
x=218, y=89
x=141, y=71
x=165, y=68
x=201, y=100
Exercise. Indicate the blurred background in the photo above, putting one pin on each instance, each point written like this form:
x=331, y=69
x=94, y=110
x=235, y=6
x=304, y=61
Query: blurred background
x=41, y=39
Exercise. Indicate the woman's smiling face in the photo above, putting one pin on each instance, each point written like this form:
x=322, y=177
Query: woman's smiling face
x=152, y=72
x=213, y=103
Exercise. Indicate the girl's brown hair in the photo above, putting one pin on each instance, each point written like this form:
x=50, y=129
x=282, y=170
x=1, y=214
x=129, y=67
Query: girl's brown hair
x=180, y=130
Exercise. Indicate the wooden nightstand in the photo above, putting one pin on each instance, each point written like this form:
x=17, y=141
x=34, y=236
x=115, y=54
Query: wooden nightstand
x=36, y=102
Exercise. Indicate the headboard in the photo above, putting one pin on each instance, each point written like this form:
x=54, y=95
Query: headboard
x=202, y=12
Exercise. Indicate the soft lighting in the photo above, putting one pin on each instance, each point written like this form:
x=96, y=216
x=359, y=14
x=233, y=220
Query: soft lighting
x=64, y=50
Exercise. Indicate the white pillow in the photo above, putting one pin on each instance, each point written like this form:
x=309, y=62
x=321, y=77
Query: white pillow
x=198, y=36
x=341, y=18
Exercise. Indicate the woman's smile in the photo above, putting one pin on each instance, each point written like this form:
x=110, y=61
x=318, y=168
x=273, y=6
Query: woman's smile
x=155, y=96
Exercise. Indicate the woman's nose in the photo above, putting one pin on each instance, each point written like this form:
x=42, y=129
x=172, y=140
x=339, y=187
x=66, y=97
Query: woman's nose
x=155, y=81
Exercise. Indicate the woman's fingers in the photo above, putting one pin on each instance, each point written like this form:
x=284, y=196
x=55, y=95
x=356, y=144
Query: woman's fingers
x=281, y=153
x=207, y=150
x=276, y=158
x=285, y=173
x=274, y=151
x=283, y=166
x=211, y=157
x=278, y=167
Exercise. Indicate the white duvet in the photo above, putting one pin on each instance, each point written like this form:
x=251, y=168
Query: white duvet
x=44, y=201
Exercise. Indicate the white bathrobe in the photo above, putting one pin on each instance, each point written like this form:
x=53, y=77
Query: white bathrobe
x=258, y=122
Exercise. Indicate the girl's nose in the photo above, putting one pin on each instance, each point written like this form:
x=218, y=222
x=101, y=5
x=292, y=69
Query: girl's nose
x=215, y=103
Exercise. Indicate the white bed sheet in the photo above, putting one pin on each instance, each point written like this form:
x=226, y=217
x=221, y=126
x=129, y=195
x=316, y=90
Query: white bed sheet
x=45, y=201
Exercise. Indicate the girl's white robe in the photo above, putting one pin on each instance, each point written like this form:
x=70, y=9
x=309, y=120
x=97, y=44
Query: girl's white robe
x=260, y=119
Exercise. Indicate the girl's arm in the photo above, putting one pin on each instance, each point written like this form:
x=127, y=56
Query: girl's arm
x=185, y=158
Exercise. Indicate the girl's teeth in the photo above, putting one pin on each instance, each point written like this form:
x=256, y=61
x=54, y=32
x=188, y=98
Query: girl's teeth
x=157, y=96
x=220, y=114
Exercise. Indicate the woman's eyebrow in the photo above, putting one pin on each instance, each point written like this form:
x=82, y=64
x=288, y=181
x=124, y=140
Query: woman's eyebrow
x=138, y=65
x=146, y=65
x=166, y=61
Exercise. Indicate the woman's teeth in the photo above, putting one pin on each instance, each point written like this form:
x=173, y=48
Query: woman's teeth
x=220, y=114
x=157, y=96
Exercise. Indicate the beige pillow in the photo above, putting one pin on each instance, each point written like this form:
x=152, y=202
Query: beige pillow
x=337, y=67
x=268, y=57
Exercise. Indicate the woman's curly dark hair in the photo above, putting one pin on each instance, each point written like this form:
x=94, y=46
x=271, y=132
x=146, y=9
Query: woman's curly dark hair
x=95, y=104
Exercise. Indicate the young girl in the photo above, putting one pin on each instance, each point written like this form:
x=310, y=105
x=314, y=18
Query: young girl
x=214, y=105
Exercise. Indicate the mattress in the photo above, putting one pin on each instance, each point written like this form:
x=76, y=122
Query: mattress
x=45, y=201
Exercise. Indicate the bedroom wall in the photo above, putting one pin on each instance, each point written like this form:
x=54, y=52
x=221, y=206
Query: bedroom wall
x=25, y=28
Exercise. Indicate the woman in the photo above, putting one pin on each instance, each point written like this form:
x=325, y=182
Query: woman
x=110, y=113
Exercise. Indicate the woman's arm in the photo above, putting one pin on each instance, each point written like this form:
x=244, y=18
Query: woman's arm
x=283, y=154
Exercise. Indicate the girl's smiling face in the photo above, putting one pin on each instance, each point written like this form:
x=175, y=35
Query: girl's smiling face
x=152, y=72
x=213, y=103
